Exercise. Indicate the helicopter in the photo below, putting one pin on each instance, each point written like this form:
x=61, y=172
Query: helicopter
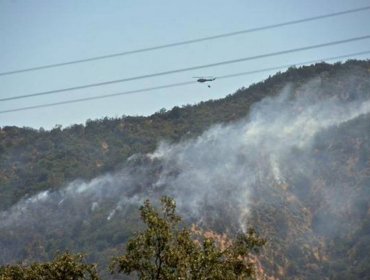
x=205, y=79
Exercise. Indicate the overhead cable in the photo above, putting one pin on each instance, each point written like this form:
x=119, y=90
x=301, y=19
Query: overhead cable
x=180, y=84
x=186, y=69
x=218, y=36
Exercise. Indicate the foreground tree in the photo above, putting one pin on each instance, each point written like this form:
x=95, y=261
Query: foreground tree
x=166, y=251
x=63, y=267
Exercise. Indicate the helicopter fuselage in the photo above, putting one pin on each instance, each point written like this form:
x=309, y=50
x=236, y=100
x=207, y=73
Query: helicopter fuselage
x=203, y=80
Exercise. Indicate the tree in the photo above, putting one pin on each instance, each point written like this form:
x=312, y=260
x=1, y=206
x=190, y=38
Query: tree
x=166, y=251
x=63, y=267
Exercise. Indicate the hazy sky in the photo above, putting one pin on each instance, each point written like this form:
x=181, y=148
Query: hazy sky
x=34, y=33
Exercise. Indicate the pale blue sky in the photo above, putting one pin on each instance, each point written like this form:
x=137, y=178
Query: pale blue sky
x=34, y=33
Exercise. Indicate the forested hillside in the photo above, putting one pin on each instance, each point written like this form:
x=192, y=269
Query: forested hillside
x=289, y=156
x=34, y=160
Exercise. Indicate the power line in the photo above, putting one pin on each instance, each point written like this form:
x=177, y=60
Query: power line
x=179, y=84
x=187, y=69
x=290, y=65
x=99, y=97
x=219, y=36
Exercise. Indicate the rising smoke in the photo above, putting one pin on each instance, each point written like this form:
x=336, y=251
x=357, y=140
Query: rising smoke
x=214, y=178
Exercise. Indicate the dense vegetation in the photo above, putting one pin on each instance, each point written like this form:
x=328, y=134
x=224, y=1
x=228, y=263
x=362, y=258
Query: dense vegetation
x=167, y=251
x=63, y=267
x=164, y=251
x=307, y=237
x=34, y=160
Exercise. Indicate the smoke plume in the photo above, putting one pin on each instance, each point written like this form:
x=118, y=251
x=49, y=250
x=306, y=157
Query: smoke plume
x=216, y=178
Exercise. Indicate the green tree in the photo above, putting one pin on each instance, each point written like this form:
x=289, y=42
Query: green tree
x=166, y=250
x=63, y=267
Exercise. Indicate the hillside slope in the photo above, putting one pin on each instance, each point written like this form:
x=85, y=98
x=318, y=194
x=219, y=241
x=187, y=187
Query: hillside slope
x=289, y=156
x=34, y=160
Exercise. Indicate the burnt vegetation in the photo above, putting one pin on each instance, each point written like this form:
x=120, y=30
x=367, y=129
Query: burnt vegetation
x=308, y=237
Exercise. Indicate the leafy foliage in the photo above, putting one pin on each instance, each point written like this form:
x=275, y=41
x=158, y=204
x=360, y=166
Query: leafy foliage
x=35, y=160
x=63, y=267
x=167, y=251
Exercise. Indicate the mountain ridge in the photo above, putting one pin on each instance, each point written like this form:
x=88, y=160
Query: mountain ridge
x=100, y=145
x=290, y=158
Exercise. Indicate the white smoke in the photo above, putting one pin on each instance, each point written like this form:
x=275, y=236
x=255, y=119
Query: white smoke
x=221, y=167
x=211, y=177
